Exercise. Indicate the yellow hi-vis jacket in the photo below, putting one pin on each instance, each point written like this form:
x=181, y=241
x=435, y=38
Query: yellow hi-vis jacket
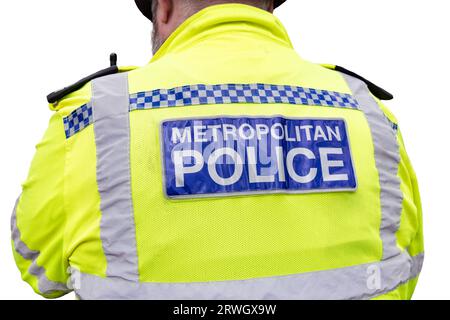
x=227, y=168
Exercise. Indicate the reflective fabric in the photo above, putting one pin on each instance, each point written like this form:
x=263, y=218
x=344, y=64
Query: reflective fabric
x=387, y=157
x=112, y=136
x=358, y=282
x=45, y=285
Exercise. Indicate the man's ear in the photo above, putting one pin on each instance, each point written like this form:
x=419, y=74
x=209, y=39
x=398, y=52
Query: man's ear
x=164, y=10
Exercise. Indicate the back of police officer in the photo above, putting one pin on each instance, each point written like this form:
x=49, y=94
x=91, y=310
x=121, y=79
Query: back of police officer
x=227, y=168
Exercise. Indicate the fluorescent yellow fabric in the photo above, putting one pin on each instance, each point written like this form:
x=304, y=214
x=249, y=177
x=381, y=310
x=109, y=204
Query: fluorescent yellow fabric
x=83, y=243
x=228, y=238
x=410, y=233
x=247, y=237
x=41, y=218
x=244, y=237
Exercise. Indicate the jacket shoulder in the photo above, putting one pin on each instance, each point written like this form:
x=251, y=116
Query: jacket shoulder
x=77, y=90
x=377, y=91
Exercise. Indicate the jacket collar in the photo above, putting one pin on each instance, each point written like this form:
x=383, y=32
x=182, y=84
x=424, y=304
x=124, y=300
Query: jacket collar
x=224, y=18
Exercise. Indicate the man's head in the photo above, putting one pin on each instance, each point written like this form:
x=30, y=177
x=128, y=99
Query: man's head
x=169, y=14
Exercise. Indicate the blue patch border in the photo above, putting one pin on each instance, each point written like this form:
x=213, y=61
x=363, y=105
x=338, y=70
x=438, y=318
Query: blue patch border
x=251, y=193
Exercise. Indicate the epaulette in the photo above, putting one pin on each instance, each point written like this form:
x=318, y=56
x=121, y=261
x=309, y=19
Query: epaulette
x=377, y=91
x=54, y=97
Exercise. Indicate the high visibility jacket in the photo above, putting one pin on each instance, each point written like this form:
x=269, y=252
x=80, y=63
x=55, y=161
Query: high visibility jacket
x=226, y=168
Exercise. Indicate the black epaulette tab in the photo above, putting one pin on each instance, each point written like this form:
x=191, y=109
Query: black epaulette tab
x=377, y=91
x=54, y=97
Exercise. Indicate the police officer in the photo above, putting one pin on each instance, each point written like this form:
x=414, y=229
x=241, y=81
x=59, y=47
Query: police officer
x=227, y=168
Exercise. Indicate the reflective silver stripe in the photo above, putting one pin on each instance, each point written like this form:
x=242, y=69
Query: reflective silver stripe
x=45, y=285
x=110, y=103
x=337, y=284
x=387, y=158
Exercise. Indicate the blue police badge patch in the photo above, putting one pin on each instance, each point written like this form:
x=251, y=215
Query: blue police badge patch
x=229, y=156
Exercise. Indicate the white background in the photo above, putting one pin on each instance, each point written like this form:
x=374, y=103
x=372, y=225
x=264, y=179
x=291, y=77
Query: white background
x=402, y=45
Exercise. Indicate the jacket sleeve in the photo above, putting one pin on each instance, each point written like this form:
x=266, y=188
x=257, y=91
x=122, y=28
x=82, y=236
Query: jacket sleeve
x=412, y=206
x=410, y=233
x=38, y=220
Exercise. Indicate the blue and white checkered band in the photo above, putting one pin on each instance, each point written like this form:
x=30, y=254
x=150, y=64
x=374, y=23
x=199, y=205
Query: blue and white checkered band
x=239, y=93
x=78, y=120
x=393, y=125
x=200, y=94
